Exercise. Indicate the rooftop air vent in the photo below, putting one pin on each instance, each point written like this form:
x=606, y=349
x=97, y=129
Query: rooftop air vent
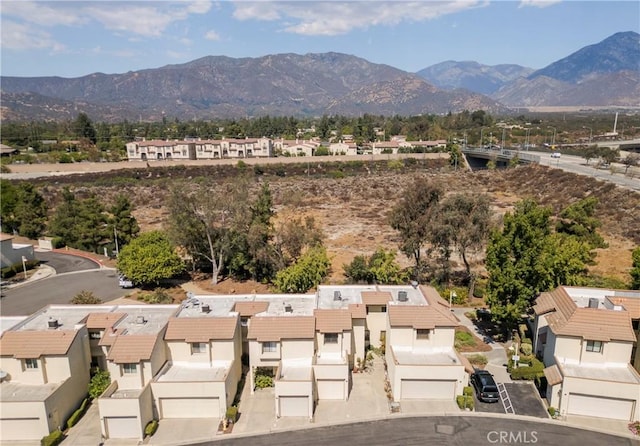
x=140, y=320
x=337, y=295
x=288, y=308
x=53, y=323
x=593, y=302
x=402, y=296
x=205, y=308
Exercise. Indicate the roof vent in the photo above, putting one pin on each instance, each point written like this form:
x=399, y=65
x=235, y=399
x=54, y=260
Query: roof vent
x=205, y=308
x=402, y=296
x=140, y=320
x=53, y=323
x=288, y=308
x=414, y=284
x=593, y=302
x=337, y=295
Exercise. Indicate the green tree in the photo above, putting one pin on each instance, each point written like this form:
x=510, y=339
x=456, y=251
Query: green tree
x=124, y=225
x=307, y=272
x=515, y=262
x=465, y=221
x=23, y=210
x=635, y=269
x=8, y=200
x=150, y=258
x=84, y=128
x=381, y=268
x=99, y=383
x=590, y=153
x=204, y=223
x=413, y=216
x=294, y=235
x=578, y=220
x=358, y=270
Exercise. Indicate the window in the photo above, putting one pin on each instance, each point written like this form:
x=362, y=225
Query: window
x=198, y=347
x=94, y=335
x=594, y=346
x=31, y=364
x=422, y=333
x=129, y=369
x=244, y=321
x=383, y=309
x=331, y=338
x=269, y=347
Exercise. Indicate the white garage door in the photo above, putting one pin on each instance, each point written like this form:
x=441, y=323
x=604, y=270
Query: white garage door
x=123, y=427
x=424, y=389
x=330, y=389
x=594, y=406
x=294, y=406
x=190, y=407
x=20, y=429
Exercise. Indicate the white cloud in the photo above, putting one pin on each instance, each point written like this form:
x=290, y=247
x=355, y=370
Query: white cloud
x=537, y=3
x=149, y=19
x=16, y=36
x=212, y=35
x=331, y=18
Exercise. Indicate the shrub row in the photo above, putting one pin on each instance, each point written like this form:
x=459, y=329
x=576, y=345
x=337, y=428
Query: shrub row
x=151, y=428
x=465, y=402
x=77, y=415
x=53, y=439
x=533, y=370
x=14, y=269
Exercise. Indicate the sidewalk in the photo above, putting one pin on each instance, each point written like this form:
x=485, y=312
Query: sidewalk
x=497, y=357
x=42, y=272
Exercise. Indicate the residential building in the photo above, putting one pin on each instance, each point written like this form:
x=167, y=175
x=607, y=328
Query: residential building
x=44, y=369
x=193, y=149
x=135, y=353
x=586, y=339
x=296, y=147
x=201, y=375
x=343, y=148
x=12, y=253
x=422, y=362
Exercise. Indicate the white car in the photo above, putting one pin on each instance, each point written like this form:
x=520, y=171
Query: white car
x=555, y=155
x=124, y=282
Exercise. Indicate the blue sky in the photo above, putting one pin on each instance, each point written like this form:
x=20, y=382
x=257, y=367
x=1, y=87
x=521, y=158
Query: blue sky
x=76, y=38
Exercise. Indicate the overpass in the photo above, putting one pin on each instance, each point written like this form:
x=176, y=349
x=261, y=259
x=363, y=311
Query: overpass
x=478, y=157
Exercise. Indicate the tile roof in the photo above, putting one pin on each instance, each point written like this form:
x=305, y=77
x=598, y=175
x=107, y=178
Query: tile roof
x=251, y=308
x=201, y=329
x=632, y=305
x=132, y=348
x=275, y=328
x=553, y=375
x=103, y=320
x=419, y=317
x=468, y=367
x=358, y=311
x=595, y=324
x=436, y=301
x=29, y=344
x=376, y=297
x=333, y=321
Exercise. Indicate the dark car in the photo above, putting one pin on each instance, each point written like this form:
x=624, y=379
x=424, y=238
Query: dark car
x=485, y=385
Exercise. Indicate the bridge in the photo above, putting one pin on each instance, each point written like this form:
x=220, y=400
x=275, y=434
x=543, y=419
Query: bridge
x=478, y=157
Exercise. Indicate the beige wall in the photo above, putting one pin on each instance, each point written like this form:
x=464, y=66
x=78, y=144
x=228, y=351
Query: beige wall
x=297, y=348
x=200, y=389
x=15, y=429
x=295, y=388
x=140, y=407
x=376, y=323
x=430, y=372
x=575, y=350
x=358, y=340
x=407, y=337
x=608, y=389
x=343, y=346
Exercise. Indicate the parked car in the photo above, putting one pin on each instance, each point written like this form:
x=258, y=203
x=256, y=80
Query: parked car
x=555, y=155
x=124, y=282
x=485, y=386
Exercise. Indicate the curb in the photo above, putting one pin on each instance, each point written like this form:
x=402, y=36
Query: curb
x=50, y=272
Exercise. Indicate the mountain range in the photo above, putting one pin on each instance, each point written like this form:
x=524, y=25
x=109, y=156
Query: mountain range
x=603, y=74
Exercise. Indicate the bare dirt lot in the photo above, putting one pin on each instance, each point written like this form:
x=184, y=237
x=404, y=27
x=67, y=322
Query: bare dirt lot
x=351, y=199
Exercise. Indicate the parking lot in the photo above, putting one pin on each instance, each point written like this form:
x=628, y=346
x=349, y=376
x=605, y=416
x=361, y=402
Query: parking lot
x=524, y=399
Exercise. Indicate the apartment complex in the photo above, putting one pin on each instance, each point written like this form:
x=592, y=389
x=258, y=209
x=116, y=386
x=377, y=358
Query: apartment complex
x=587, y=338
x=177, y=361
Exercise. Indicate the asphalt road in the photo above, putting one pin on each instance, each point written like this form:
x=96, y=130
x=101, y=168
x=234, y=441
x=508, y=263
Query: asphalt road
x=65, y=263
x=60, y=289
x=453, y=430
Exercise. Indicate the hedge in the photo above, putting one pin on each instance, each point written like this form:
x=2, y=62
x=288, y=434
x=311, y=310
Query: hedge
x=16, y=268
x=531, y=372
x=77, y=415
x=53, y=439
x=232, y=413
x=151, y=428
x=465, y=402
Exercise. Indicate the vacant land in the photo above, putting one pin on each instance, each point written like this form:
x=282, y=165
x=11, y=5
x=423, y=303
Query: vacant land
x=351, y=200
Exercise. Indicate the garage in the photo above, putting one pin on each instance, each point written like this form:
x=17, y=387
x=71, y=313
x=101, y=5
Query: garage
x=426, y=389
x=602, y=407
x=294, y=406
x=189, y=407
x=330, y=389
x=19, y=428
x=123, y=427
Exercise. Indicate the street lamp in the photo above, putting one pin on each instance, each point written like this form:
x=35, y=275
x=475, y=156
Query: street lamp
x=590, y=132
x=553, y=139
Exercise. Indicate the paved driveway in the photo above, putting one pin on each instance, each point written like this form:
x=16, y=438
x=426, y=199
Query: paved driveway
x=524, y=399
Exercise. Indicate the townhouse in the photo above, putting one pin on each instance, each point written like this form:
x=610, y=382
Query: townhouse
x=295, y=147
x=587, y=340
x=199, y=149
x=185, y=361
